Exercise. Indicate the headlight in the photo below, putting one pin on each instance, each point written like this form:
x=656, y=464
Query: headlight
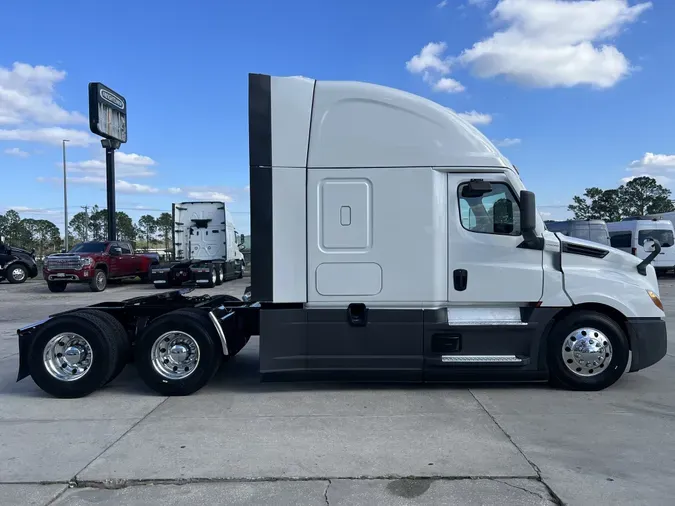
x=655, y=299
x=87, y=261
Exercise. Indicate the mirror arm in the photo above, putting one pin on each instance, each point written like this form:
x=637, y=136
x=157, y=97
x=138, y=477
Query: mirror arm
x=531, y=241
x=642, y=266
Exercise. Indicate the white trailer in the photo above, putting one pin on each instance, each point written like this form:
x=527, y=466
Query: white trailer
x=339, y=172
x=205, y=247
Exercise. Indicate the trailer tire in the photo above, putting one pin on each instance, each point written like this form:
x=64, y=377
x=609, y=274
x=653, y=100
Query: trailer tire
x=220, y=275
x=193, y=344
x=588, y=351
x=17, y=273
x=56, y=286
x=118, y=333
x=99, y=282
x=83, y=336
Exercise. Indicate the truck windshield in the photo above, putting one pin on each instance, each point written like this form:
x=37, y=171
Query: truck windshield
x=89, y=247
x=665, y=237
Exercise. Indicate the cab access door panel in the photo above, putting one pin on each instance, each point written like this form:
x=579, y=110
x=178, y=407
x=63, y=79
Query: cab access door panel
x=486, y=264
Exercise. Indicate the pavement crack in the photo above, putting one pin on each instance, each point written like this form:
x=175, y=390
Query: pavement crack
x=524, y=489
x=74, y=481
x=325, y=493
x=553, y=495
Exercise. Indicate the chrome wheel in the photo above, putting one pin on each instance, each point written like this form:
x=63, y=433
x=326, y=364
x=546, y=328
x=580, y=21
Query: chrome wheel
x=587, y=352
x=214, y=276
x=67, y=356
x=18, y=274
x=100, y=280
x=175, y=355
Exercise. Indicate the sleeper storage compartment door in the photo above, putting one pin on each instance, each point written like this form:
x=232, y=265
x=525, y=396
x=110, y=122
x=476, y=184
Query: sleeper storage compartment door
x=366, y=343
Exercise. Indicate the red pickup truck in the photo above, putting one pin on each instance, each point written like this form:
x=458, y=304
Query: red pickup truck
x=95, y=263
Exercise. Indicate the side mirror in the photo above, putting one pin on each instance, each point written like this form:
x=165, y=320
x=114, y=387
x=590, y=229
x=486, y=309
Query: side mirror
x=528, y=214
x=650, y=245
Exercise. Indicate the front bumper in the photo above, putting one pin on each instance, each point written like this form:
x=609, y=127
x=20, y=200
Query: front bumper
x=648, y=340
x=70, y=275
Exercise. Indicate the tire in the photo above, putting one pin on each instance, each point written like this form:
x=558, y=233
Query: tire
x=56, y=286
x=97, y=347
x=99, y=282
x=170, y=380
x=220, y=275
x=212, y=278
x=241, y=270
x=17, y=274
x=571, y=368
x=115, y=331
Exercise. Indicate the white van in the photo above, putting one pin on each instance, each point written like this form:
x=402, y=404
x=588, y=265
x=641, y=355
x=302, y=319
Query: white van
x=629, y=235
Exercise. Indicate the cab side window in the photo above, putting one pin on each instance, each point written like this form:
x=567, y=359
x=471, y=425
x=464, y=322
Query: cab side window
x=494, y=212
x=126, y=249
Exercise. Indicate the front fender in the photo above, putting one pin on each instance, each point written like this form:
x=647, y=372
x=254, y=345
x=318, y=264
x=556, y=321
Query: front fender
x=631, y=301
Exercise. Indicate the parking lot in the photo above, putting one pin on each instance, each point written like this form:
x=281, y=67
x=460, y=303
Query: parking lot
x=239, y=441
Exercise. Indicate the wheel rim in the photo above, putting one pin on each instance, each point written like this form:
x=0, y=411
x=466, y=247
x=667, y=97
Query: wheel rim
x=214, y=277
x=68, y=356
x=100, y=280
x=18, y=274
x=587, y=352
x=175, y=355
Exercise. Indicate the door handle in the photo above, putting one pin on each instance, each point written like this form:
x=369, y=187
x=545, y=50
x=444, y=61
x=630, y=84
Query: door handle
x=460, y=279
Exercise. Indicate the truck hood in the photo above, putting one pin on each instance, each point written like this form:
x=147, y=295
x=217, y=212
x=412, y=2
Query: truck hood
x=613, y=262
x=63, y=255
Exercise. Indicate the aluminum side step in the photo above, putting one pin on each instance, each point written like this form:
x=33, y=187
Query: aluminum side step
x=484, y=360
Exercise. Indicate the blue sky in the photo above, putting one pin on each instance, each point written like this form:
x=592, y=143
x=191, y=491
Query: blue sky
x=577, y=93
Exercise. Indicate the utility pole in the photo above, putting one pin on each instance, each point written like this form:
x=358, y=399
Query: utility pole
x=65, y=198
x=86, y=222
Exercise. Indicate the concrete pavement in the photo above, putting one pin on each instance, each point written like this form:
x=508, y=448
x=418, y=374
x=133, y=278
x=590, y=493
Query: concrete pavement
x=239, y=441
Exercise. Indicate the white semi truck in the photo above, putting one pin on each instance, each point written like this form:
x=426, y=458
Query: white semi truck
x=205, y=247
x=339, y=171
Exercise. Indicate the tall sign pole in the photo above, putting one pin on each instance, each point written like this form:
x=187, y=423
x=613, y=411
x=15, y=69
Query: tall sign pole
x=108, y=119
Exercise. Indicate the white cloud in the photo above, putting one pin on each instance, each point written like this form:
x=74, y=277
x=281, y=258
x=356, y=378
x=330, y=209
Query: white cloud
x=431, y=57
x=449, y=85
x=27, y=95
x=479, y=3
x=433, y=64
x=174, y=191
x=16, y=152
x=442, y=4
x=33, y=210
x=48, y=135
x=505, y=143
x=654, y=162
x=476, y=118
x=550, y=43
x=662, y=180
x=126, y=165
x=210, y=195
x=126, y=187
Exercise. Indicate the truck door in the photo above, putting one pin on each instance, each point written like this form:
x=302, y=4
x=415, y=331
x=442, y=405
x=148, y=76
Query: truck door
x=486, y=264
x=115, y=268
x=129, y=261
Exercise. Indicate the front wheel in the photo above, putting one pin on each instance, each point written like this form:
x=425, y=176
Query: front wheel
x=179, y=352
x=587, y=351
x=17, y=274
x=99, y=281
